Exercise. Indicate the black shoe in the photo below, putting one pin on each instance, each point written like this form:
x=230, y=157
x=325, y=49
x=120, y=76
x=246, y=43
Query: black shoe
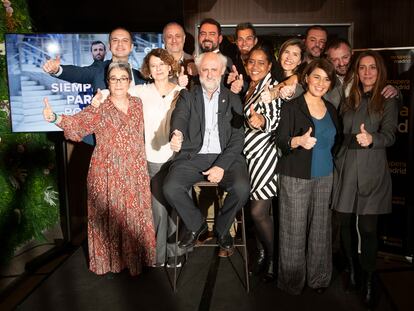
x=269, y=275
x=368, y=297
x=260, y=263
x=190, y=237
x=226, y=242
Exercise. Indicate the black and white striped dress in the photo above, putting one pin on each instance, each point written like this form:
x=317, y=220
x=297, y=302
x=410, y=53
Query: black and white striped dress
x=259, y=146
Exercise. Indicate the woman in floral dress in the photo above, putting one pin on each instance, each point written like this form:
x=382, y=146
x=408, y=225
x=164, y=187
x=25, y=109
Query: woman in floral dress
x=120, y=226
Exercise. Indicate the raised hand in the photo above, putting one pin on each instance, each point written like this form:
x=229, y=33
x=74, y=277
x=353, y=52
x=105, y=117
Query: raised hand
x=97, y=99
x=214, y=174
x=52, y=65
x=182, y=78
x=287, y=91
x=266, y=94
x=48, y=113
x=256, y=120
x=176, y=141
x=364, y=138
x=237, y=85
x=233, y=75
x=306, y=140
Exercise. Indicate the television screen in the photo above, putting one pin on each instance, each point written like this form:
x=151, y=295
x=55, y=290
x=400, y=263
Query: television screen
x=29, y=84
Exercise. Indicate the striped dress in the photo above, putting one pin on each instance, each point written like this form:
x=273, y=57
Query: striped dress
x=259, y=146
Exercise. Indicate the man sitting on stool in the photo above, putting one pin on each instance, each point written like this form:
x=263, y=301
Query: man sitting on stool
x=207, y=135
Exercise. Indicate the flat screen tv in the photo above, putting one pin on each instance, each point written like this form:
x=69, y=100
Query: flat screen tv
x=29, y=84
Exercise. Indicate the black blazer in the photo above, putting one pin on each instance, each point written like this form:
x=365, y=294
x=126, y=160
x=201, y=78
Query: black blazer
x=296, y=120
x=189, y=118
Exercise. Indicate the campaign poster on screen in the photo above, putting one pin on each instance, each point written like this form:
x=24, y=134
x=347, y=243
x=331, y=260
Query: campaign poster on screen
x=29, y=84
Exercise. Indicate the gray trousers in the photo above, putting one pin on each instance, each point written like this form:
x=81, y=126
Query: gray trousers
x=164, y=216
x=305, y=250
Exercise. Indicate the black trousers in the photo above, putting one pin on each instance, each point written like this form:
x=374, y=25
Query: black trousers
x=185, y=173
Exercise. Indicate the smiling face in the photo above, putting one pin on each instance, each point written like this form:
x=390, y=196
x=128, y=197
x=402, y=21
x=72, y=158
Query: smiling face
x=245, y=41
x=367, y=72
x=120, y=44
x=210, y=70
x=318, y=82
x=290, y=59
x=118, y=82
x=258, y=66
x=158, y=69
x=340, y=58
x=315, y=42
x=174, y=38
x=209, y=38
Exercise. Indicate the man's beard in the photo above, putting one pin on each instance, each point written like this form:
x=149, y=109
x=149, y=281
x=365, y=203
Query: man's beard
x=210, y=85
x=207, y=49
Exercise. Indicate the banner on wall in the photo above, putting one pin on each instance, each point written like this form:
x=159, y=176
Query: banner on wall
x=396, y=230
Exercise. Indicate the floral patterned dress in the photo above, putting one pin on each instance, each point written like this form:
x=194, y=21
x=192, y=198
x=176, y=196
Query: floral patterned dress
x=120, y=225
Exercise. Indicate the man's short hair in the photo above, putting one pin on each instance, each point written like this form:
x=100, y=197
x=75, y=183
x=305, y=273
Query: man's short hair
x=172, y=24
x=213, y=22
x=96, y=43
x=335, y=43
x=120, y=28
x=244, y=26
x=316, y=27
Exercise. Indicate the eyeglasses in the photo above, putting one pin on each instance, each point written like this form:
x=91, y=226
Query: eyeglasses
x=121, y=79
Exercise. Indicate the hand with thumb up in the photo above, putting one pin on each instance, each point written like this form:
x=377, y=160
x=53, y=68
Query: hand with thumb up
x=52, y=65
x=364, y=138
x=256, y=120
x=306, y=140
x=182, y=78
x=48, y=113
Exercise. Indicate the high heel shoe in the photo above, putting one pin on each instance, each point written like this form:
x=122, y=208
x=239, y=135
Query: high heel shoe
x=260, y=262
x=269, y=275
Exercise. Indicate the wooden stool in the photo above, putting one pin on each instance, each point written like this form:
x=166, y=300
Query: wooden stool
x=237, y=223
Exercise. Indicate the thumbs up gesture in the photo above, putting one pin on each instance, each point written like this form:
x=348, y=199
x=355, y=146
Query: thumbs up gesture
x=237, y=85
x=48, y=113
x=266, y=95
x=364, y=138
x=233, y=75
x=307, y=141
x=256, y=120
x=176, y=141
x=182, y=78
x=52, y=65
x=98, y=99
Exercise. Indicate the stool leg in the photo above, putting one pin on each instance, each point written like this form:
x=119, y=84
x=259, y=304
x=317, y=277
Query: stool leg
x=175, y=254
x=246, y=268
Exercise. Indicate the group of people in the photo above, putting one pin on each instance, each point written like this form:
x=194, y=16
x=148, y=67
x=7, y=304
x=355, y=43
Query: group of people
x=306, y=128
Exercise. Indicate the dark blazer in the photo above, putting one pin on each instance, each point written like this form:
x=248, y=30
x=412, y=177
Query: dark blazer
x=295, y=120
x=95, y=74
x=189, y=118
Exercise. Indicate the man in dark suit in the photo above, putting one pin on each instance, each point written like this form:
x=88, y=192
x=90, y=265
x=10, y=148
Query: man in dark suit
x=207, y=134
x=120, y=44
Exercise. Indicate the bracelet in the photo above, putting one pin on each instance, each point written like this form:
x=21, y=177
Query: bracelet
x=55, y=119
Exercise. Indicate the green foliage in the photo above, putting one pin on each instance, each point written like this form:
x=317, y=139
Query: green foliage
x=29, y=202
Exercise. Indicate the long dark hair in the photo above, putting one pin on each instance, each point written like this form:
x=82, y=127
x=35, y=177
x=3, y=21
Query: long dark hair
x=376, y=102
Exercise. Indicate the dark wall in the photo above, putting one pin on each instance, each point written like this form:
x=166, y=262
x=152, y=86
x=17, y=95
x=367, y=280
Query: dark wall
x=102, y=16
